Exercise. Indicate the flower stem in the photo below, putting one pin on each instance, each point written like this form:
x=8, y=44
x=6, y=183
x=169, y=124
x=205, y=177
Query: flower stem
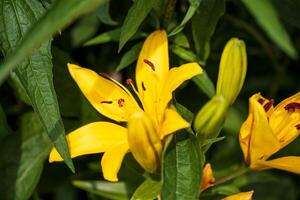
x=242, y=170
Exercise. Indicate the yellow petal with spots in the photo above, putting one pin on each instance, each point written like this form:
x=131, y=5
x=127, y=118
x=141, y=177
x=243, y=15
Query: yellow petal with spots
x=92, y=138
x=172, y=122
x=112, y=160
x=144, y=142
x=151, y=70
x=105, y=94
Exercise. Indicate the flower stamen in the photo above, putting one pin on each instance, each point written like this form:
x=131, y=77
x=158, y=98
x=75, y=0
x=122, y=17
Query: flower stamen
x=108, y=102
x=268, y=105
x=261, y=101
x=291, y=107
x=143, y=86
x=150, y=64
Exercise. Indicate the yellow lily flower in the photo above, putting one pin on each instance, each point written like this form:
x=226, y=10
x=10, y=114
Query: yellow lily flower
x=240, y=196
x=147, y=127
x=208, y=179
x=267, y=130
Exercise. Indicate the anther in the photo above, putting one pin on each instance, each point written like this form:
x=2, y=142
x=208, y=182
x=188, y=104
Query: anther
x=261, y=101
x=150, y=64
x=108, y=102
x=268, y=105
x=129, y=81
x=143, y=86
x=298, y=126
x=291, y=107
x=121, y=102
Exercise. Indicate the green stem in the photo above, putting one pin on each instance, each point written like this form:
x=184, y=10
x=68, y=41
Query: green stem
x=242, y=170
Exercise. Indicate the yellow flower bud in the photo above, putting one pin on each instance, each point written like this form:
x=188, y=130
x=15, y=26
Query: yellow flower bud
x=211, y=117
x=232, y=70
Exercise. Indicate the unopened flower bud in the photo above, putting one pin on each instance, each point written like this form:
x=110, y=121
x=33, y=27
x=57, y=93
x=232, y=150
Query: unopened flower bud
x=210, y=118
x=232, y=70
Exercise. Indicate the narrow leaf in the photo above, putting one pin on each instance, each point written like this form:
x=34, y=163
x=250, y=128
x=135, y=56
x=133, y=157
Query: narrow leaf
x=22, y=158
x=60, y=14
x=183, y=53
x=266, y=16
x=204, y=23
x=103, y=14
x=136, y=15
x=182, y=167
x=205, y=84
x=189, y=14
x=149, y=189
x=35, y=72
x=129, y=57
x=115, y=191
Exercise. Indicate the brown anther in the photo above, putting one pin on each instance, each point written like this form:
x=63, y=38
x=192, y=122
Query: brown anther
x=268, y=105
x=291, y=107
x=298, y=126
x=121, y=102
x=143, y=86
x=108, y=102
x=129, y=81
x=261, y=101
x=150, y=64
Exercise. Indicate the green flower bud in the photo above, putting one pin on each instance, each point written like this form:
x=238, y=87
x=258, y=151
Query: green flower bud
x=232, y=70
x=210, y=118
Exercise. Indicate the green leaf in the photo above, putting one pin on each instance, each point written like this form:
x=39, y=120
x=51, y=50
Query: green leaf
x=182, y=167
x=110, y=36
x=184, y=112
x=189, y=14
x=205, y=84
x=115, y=191
x=136, y=15
x=183, y=53
x=266, y=16
x=181, y=40
x=103, y=14
x=35, y=72
x=289, y=11
x=60, y=14
x=212, y=140
x=129, y=57
x=22, y=158
x=148, y=190
x=204, y=24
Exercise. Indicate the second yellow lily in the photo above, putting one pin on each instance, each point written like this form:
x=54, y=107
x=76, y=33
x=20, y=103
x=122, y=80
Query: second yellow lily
x=147, y=127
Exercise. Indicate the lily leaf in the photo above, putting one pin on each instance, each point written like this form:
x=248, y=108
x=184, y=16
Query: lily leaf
x=23, y=155
x=34, y=74
x=182, y=167
x=266, y=16
x=129, y=57
x=194, y=4
x=204, y=24
x=136, y=15
x=149, y=189
x=103, y=14
x=60, y=14
x=205, y=84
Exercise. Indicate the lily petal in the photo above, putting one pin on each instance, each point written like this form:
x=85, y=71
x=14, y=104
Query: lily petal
x=240, y=196
x=288, y=163
x=208, y=179
x=107, y=96
x=112, y=160
x=92, y=138
x=263, y=142
x=152, y=68
x=171, y=123
x=144, y=142
x=176, y=76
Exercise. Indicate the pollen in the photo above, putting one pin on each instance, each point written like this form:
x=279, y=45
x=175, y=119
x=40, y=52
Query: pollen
x=291, y=107
x=150, y=64
x=268, y=105
x=121, y=102
x=129, y=81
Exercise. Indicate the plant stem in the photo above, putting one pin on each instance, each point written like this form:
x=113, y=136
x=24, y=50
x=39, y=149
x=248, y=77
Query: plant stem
x=242, y=170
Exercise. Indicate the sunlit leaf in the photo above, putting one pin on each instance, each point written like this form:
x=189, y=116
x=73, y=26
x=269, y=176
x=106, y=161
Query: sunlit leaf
x=149, y=189
x=266, y=16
